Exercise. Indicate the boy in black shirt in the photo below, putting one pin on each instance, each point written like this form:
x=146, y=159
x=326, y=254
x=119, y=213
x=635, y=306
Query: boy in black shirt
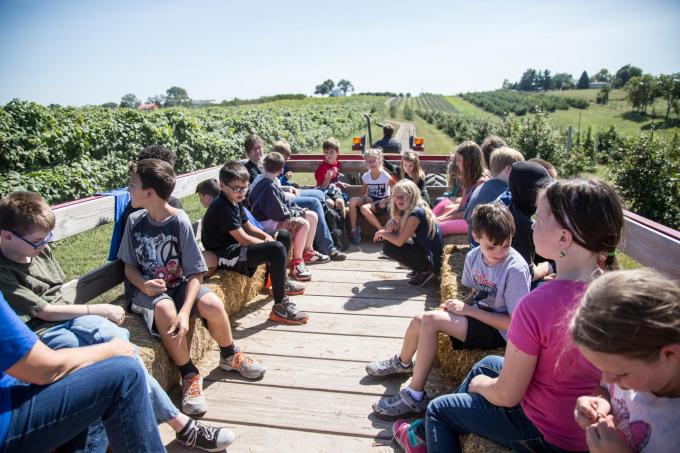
x=232, y=242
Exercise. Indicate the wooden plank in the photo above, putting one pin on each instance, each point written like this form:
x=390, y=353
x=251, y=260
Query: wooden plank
x=379, y=289
x=320, y=274
x=364, y=306
x=186, y=184
x=315, y=345
x=286, y=408
x=329, y=323
x=94, y=283
x=651, y=248
x=355, y=265
x=265, y=439
x=74, y=218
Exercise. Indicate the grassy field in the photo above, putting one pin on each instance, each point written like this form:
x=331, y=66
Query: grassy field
x=436, y=142
x=464, y=106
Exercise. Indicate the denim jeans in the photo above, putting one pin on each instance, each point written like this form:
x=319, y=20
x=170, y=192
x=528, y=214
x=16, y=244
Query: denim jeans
x=112, y=392
x=322, y=239
x=93, y=329
x=450, y=416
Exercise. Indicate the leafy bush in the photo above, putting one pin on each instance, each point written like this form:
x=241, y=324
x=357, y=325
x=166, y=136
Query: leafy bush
x=504, y=102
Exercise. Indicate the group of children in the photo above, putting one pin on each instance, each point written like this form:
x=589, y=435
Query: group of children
x=592, y=361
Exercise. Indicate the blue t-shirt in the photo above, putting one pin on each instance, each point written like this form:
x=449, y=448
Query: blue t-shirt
x=15, y=342
x=434, y=246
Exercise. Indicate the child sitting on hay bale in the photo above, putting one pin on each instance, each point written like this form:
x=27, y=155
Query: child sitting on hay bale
x=498, y=278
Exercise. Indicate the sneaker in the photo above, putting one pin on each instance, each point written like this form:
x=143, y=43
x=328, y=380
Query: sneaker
x=248, y=367
x=205, y=437
x=400, y=405
x=355, y=237
x=420, y=279
x=300, y=272
x=337, y=255
x=314, y=257
x=411, y=274
x=291, y=289
x=288, y=313
x=193, y=399
x=388, y=367
x=407, y=436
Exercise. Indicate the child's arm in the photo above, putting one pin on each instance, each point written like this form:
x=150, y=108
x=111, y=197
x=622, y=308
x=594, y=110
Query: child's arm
x=399, y=238
x=364, y=189
x=59, y=312
x=245, y=238
x=498, y=321
x=180, y=325
x=255, y=232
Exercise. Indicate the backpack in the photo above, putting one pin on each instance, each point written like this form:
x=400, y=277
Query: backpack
x=336, y=225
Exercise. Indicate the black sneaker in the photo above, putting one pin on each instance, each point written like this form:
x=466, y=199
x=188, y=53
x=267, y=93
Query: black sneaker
x=205, y=437
x=420, y=279
x=337, y=255
x=288, y=313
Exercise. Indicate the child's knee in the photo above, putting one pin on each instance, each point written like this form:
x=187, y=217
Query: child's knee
x=365, y=209
x=210, y=306
x=311, y=216
x=164, y=310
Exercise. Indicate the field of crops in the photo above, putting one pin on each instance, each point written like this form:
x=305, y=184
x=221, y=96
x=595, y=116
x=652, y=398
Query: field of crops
x=434, y=102
x=504, y=102
x=70, y=153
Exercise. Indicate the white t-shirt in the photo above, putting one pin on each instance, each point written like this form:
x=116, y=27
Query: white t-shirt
x=377, y=188
x=649, y=423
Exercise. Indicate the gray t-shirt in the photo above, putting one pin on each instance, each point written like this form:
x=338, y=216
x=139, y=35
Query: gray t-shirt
x=167, y=250
x=499, y=288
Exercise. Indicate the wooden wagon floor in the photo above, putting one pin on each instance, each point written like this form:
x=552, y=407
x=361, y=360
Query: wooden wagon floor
x=316, y=395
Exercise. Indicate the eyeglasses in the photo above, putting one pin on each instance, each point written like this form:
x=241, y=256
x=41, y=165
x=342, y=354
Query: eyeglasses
x=402, y=197
x=35, y=246
x=238, y=189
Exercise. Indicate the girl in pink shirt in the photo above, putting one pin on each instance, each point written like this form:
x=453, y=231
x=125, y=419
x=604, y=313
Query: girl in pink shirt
x=525, y=401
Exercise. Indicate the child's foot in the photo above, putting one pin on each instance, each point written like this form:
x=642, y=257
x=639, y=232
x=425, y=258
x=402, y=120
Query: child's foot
x=299, y=272
x=292, y=288
x=420, y=279
x=205, y=437
x=337, y=255
x=388, y=367
x=193, y=399
x=314, y=257
x=248, y=367
x=287, y=313
x=400, y=405
x=355, y=237
x=407, y=436
x=411, y=274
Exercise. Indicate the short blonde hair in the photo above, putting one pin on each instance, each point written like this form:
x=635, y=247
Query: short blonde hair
x=282, y=147
x=504, y=157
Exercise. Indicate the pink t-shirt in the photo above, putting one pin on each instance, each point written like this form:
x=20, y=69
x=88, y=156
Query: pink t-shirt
x=540, y=327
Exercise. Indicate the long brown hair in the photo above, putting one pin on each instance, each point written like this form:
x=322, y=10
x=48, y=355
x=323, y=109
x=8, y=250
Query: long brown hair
x=632, y=313
x=473, y=164
x=412, y=156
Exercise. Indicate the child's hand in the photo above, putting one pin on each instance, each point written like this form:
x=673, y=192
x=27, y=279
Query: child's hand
x=391, y=226
x=120, y=347
x=455, y=306
x=113, y=313
x=379, y=235
x=342, y=185
x=478, y=382
x=294, y=191
x=590, y=409
x=268, y=238
x=603, y=437
x=383, y=203
x=179, y=326
x=154, y=287
x=289, y=174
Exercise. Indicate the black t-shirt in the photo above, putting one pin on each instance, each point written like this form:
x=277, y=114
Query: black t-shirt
x=388, y=145
x=253, y=170
x=222, y=217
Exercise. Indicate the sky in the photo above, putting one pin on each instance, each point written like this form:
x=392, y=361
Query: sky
x=76, y=52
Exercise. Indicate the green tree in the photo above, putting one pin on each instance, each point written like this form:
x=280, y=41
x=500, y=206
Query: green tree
x=624, y=74
x=176, y=96
x=157, y=99
x=528, y=80
x=324, y=88
x=602, y=75
x=583, y=81
x=563, y=81
x=130, y=101
x=345, y=86
x=109, y=105
x=641, y=92
x=669, y=89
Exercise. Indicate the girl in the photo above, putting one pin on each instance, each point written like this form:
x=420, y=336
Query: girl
x=470, y=166
x=411, y=217
x=526, y=399
x=628, y=326
x=375, y=189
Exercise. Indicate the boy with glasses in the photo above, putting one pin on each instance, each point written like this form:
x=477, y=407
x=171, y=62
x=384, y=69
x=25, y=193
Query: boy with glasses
x=234, y=243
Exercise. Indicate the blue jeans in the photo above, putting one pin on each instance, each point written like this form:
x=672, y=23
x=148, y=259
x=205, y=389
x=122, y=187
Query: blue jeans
x=112, y=392
x=449, y=416
x=93, y=329
x=322, y=239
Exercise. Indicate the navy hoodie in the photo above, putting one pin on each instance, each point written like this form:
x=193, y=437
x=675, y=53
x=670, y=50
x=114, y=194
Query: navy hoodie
x=267, y=201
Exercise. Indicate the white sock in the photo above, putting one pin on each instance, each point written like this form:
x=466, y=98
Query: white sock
x=405, y=365
x=417, y=395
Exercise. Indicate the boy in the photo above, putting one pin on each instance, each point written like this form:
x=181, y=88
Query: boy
x=327, y=176
x=498, y=278
x=500, y=166
x=31, y=280
x=255, y=154
x=311, y=199
x=271, y=208
x=164, y=270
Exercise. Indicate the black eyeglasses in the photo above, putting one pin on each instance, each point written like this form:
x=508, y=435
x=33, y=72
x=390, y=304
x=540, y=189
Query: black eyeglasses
x=238, y=189
x=35, y=246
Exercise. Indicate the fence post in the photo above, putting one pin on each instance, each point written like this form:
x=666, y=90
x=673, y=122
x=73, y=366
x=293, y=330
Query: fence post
x=569, y=131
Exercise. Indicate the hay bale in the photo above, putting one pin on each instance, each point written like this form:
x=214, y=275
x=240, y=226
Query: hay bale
x=472, y=443
x=236, y=290
x=456, y=239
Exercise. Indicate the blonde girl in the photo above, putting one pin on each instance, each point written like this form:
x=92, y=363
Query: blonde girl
x=628, y=326
x=411, y=218
x=375, y=194
x=469, y=163
x=527, y=398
